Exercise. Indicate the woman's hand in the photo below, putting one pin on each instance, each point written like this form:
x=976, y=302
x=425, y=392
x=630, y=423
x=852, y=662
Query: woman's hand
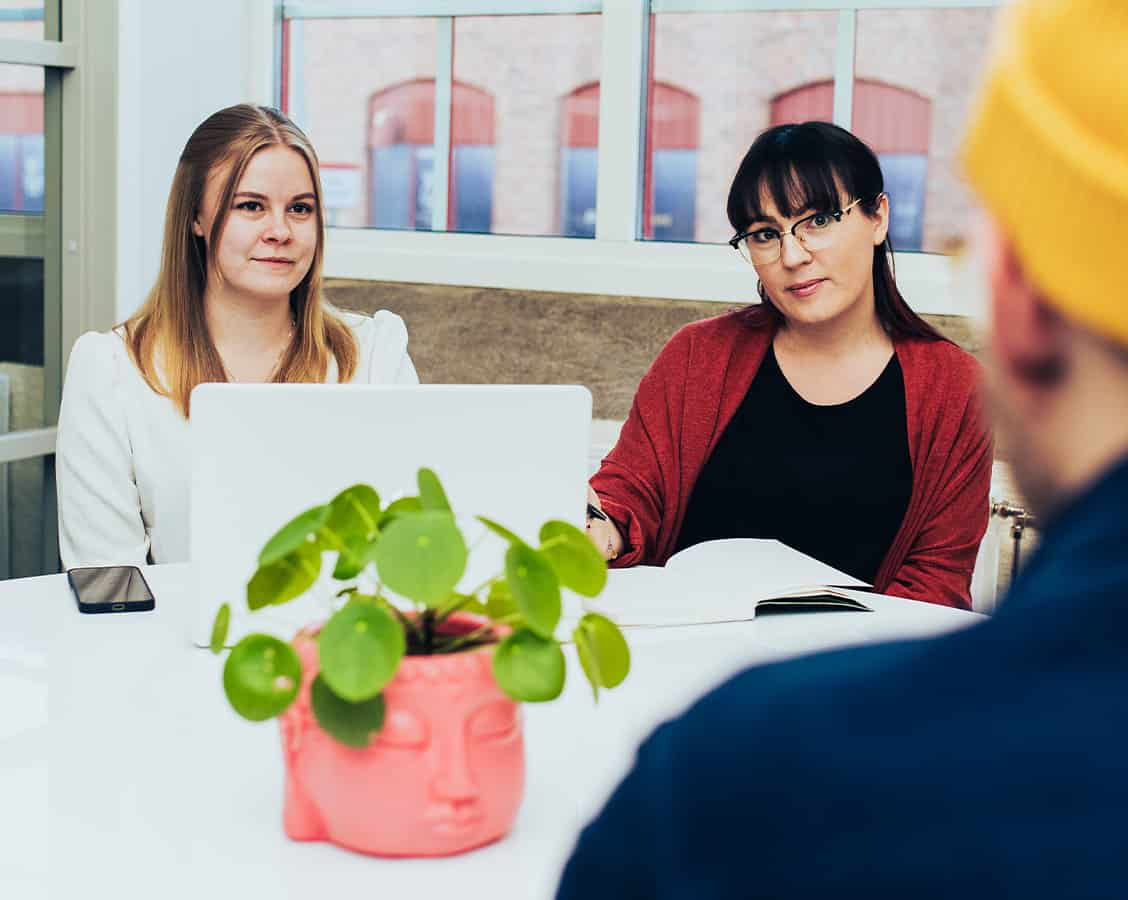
x=602, y=531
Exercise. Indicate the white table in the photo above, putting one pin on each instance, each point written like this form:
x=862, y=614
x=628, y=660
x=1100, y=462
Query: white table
x=124, y=773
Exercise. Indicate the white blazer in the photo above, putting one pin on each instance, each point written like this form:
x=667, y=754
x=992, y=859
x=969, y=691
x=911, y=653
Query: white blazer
x=122, y=466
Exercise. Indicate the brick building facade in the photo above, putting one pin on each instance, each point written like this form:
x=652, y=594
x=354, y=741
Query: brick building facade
x=732, y=71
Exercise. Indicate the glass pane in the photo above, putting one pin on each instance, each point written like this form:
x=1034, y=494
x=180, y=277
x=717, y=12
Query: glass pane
x=21, y=139
x=915, y=77
x=363, y=90
x=22, y=489
x=21, y=408
x=718, y=80
x=525, y=124
x=22, y=19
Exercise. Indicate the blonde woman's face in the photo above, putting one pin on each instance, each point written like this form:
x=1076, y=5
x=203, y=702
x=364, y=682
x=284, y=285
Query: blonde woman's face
x=270, y=236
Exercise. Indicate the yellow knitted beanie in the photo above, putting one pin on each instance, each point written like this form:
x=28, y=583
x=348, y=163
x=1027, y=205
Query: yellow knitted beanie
x=1047, y=150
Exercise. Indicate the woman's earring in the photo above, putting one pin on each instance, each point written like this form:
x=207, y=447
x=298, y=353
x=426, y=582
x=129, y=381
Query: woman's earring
x=760, y=290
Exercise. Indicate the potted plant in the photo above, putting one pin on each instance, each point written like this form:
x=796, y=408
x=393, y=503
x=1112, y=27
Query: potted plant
x=399, y=713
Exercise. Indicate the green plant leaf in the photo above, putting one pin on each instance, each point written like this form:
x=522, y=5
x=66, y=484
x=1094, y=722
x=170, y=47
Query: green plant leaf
x=603, y=651
x=578, y=565
x=400, y=507
x=294, y=534
x=353, y=559
x=529, y=667
x=261, y=677
x=588, y=661
x=431, y=493
x=219, y=628
x=355, y=513
x=422, y=556
x=499, y=601
x=360, y=647
x=352, y=528
x=536, y=592
x=289, y=577
x=500, y=530
x=352, y=724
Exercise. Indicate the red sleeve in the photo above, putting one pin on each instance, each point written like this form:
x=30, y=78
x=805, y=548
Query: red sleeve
x=940, y=561
x=634, y=481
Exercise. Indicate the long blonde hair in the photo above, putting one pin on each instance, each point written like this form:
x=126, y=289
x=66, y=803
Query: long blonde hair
x=170, y=327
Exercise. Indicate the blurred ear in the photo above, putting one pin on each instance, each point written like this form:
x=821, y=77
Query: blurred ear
x=197, y=228
x=880, y=220
x=1028, y=336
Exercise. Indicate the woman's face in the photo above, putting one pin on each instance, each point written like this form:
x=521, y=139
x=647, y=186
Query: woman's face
x=270, y=236
x=816, y=286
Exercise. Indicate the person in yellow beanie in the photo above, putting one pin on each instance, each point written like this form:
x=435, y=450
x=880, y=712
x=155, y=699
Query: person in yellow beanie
x=992, y=762
x=1047, y=152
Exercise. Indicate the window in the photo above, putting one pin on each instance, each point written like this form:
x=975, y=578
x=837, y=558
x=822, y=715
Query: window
x=670, y=181
x=21, y=139
x=458, y=116
x=32, y=271
x=21, y=19
x=753, y=57
x=619, y=123
x=895, y=123
x=579, y=161
x=363, y=90
x=922, y=67
x=401, y=153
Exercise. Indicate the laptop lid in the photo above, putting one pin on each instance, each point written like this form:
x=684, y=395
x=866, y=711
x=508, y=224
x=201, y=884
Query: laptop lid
x=262, y=453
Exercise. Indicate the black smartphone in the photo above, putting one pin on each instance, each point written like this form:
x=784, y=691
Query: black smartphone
x=106, y=589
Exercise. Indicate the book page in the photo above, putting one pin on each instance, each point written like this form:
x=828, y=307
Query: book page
x=718, y=581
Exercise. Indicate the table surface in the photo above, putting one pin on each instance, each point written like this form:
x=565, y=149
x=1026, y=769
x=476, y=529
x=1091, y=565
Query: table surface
x=123, y=769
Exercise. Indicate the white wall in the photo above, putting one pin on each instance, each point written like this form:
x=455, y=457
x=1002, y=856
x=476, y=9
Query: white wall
x=178, y=63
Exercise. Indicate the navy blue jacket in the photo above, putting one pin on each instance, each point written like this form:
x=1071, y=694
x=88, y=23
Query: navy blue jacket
x=992, y=762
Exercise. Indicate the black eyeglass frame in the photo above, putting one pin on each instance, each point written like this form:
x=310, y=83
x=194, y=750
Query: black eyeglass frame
x=837, y=215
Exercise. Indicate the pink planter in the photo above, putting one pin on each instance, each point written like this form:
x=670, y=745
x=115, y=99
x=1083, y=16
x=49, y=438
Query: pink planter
x=443, y=776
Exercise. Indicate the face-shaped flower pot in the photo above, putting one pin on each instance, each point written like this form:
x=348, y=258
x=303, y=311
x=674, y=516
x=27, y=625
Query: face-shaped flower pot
x=444, y=774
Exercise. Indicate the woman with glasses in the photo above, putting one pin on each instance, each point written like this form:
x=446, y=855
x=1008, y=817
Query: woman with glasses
x=829, y=416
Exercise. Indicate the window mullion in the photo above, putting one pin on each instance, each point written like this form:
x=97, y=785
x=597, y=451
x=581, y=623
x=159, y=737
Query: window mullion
x=844, y=68
x=444, y=95
x=622, y=104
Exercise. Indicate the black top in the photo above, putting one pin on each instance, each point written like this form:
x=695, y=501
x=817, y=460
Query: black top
x=830, y=481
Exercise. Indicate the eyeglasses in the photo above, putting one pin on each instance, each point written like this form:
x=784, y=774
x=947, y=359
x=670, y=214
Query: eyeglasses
x=763, y=246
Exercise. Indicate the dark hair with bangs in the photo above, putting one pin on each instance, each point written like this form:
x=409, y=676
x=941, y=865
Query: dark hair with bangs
x=818, y=166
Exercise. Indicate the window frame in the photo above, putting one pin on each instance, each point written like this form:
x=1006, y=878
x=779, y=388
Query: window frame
x=618, y=261
x=78, y=55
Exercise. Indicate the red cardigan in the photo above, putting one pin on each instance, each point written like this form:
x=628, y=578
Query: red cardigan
x=693, y=389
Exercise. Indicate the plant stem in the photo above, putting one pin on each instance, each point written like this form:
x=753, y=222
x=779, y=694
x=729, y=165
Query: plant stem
x=407, y=623
x=474, y=546
x=428, y=630
x=469, y=638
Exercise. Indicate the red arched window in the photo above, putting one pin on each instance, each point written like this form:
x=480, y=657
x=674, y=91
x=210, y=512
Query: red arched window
x=401, y=136
x=896, y=124
x=670, y=182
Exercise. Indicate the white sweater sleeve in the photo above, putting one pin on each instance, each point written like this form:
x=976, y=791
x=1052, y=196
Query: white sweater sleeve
x=390, y=362
x=99, y=506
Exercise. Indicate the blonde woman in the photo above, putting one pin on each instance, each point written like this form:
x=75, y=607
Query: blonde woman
x=238, y=299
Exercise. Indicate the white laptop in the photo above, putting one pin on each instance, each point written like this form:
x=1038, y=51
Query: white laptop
x=261, y=454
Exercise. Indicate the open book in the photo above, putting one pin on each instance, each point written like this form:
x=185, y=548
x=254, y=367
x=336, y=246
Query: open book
x=725, y=581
